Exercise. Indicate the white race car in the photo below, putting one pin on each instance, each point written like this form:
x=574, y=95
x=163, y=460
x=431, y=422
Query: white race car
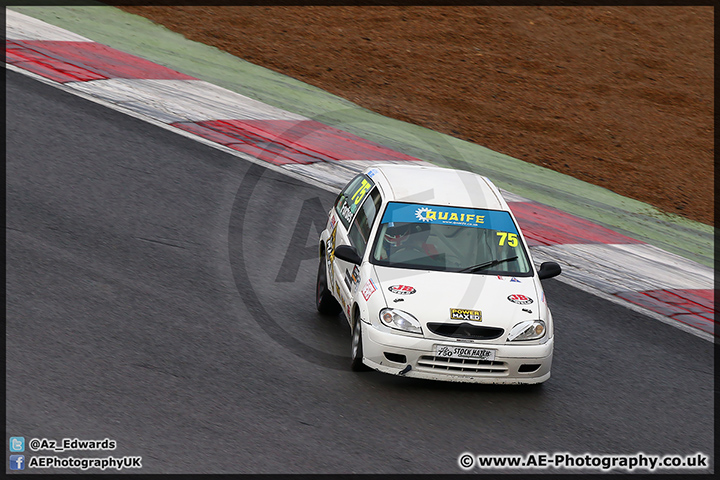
x=435, y=278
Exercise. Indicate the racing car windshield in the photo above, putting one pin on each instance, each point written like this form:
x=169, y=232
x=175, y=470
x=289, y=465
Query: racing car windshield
x=467, y=240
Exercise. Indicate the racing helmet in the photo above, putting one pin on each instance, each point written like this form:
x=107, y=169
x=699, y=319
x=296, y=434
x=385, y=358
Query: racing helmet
x=397, y=234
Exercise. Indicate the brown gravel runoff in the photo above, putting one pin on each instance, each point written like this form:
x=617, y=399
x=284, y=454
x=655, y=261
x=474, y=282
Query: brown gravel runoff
x=618, y=96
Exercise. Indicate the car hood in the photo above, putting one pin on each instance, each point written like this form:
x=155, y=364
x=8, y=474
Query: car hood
x=449, y=297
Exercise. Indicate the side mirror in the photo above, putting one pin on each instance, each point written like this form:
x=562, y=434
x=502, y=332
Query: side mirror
x=348, y=253
x=549, y=270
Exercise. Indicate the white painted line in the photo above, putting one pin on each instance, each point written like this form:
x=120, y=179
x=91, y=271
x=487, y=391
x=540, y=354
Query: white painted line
x=335, y=178
x=22, y=27
x=339, y=173
x=512, y=197
x=637, y=267
x=636, y=308
x=141, y=116
x=181, y=100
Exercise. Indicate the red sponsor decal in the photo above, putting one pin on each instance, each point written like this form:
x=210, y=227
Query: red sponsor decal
x=368, y=290
x=520, y=299
x=402, y=289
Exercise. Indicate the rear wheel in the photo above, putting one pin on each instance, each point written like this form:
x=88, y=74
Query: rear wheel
x=324, y=301
x=356, y=354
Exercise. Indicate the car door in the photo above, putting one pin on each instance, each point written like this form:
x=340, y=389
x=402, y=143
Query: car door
x=343, y=276
x=358, y=237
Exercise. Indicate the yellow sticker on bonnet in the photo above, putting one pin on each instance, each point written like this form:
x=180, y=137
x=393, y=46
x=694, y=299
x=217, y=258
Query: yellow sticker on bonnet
x=460, y=314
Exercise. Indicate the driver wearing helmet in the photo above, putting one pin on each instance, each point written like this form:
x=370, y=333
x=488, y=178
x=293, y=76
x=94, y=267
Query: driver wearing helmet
x=406, y=240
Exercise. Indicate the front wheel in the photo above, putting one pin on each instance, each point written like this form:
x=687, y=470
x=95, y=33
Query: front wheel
x=324, y=301
x=356, y=354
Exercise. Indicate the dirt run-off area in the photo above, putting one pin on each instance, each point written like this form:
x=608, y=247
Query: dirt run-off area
x=618, y=96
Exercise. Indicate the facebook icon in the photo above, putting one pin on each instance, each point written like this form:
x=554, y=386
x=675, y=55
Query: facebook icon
x=17, y=462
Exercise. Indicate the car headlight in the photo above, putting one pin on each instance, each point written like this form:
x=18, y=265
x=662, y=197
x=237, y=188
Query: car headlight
x=528, y=330
x=400, y=320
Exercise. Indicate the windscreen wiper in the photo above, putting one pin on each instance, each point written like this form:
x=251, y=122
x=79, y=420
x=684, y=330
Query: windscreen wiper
x=491, y=263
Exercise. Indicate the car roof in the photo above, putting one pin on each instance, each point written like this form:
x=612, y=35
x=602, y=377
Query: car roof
x=436, y=186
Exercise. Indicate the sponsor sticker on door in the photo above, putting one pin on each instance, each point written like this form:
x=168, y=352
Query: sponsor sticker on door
x=368, y=289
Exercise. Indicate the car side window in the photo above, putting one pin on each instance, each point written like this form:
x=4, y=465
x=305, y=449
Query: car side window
x=361, y=226
x=352, y=196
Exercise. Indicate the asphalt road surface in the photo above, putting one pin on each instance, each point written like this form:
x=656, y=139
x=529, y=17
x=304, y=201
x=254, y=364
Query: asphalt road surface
x=160, y=293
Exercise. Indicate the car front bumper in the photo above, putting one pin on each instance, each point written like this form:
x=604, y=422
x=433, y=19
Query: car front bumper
x=513, y=363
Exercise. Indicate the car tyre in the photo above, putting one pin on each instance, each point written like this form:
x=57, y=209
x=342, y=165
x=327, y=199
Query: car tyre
x=356, y=351
x=324, y=301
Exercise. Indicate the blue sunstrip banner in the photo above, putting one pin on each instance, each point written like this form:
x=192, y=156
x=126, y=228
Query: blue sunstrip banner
x=461, y=217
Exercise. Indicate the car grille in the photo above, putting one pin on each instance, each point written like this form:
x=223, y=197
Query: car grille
x=465, y=330
x=461, y=365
